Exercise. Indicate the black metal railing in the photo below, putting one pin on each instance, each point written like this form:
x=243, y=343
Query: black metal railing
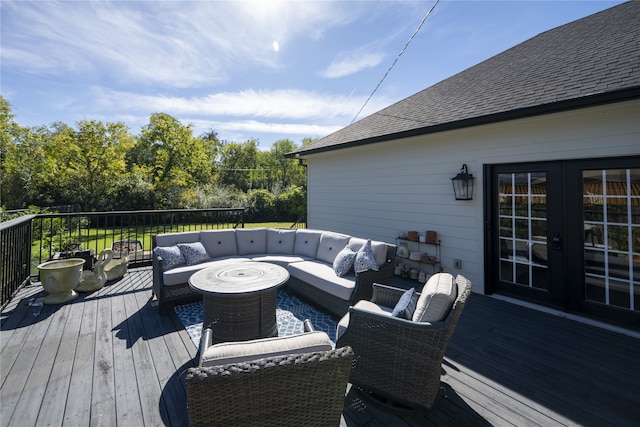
x=15, y=254
x=30, y=240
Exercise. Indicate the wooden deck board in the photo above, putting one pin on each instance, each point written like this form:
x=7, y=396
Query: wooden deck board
x=127, y=403
x=113, y=358
x=53, y=405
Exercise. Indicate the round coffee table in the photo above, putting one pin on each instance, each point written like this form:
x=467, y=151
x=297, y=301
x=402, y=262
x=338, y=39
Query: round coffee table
x=239, y=298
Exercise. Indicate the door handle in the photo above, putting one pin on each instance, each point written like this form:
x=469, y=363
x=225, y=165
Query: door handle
x=556, y=241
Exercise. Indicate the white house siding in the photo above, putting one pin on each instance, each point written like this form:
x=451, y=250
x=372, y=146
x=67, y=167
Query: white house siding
x=379, y=190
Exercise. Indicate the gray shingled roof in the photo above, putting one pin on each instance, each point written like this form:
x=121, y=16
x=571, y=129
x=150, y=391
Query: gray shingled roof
x=586, y=62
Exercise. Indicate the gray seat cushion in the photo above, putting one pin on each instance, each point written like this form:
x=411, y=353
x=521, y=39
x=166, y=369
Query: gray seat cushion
x=322, y=276
x=306, y=243
x=330, y=245
x=219, y=243
x=245, y=351
x=181, y=274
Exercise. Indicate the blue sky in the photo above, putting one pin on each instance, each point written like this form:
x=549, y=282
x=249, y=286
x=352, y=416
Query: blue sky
x=263, y=69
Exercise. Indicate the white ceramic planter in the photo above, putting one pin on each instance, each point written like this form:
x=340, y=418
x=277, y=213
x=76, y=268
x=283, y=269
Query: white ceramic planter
x=59, y=278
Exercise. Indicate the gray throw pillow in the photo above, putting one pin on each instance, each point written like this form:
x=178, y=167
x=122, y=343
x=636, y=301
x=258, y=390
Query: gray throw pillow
x=171, y=256
x=193, y=253
x=344, y=261
x=406, y=305
x=364, y=259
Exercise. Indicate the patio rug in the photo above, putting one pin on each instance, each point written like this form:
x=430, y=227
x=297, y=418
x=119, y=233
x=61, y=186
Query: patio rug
x=290, y=313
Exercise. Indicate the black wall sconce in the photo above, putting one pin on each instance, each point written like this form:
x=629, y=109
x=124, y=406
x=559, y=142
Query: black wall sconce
x=463, y=184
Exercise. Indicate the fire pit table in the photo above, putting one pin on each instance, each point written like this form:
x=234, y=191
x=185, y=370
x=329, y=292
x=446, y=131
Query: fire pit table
x=239, y=298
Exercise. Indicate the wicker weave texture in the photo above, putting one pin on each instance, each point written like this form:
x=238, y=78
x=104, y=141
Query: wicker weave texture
x=398, y=358
x=295, y=390
x=241, y=317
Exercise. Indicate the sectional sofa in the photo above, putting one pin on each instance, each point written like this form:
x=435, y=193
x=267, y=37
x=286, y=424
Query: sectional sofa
x=329, y=269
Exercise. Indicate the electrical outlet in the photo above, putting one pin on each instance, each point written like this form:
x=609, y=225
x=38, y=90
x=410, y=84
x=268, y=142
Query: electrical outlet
x=457, y=263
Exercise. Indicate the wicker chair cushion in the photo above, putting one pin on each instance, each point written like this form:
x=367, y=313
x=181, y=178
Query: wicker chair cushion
x=364, y=259
x=171, y=257
x=329, y=246
x=344, y=261
x=193, y=253
x=379, y=248
x=365, y=306
x=280, y=241
x=251, y=241
x=436, y=299
x=245, y=351
x=307, y=243
x=219, y=243
x=406, y=305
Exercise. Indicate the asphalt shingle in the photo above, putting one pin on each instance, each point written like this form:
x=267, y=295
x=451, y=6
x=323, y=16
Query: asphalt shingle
x=596, y=55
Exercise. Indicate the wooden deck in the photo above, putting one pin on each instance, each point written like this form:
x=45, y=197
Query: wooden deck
x=109, y=358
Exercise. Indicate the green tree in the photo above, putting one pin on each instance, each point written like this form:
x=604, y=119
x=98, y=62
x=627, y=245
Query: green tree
x=238, y=164
x=175, y=161
x=97, y=165
x=288, y=171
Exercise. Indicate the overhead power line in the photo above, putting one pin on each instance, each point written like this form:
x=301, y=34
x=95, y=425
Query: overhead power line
x=396, y=60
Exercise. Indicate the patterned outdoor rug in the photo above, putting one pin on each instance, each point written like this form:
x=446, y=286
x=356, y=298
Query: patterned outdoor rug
x=290, y=313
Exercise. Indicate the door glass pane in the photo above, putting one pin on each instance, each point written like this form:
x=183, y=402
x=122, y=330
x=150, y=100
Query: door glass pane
x=523, y=229
x=611, y=200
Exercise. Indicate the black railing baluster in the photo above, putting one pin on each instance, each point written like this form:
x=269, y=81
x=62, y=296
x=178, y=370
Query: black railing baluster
x=94, y=230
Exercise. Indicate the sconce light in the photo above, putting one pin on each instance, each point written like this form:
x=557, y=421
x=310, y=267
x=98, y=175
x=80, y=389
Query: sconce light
x=463, y=184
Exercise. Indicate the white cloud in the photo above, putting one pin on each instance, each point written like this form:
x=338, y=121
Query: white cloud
x=292, y=104
x=253, y=127
x=352, y=64
x=174, y=43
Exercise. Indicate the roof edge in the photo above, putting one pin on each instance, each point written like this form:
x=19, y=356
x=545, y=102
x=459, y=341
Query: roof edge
x=620, y=95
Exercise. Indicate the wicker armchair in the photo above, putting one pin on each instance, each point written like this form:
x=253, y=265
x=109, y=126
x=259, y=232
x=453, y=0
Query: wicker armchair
x=399, y=359
x=305, y=389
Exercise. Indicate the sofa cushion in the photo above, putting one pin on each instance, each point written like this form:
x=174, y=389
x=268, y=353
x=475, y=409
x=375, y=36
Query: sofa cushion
x=283, y=260
x=329, y=246
x=219, y=243
x=306, y=243
x=344, y=261
x=280, y=241
x=193, y=253
x=181, y=274
x=406, y=305
x=171, y=256
x=251, y=240
x=437, y=298
x=321, y=275
x=364, y=259
x=379, y=248
x=172, y=239
x=245, y=351
x=361, y=305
